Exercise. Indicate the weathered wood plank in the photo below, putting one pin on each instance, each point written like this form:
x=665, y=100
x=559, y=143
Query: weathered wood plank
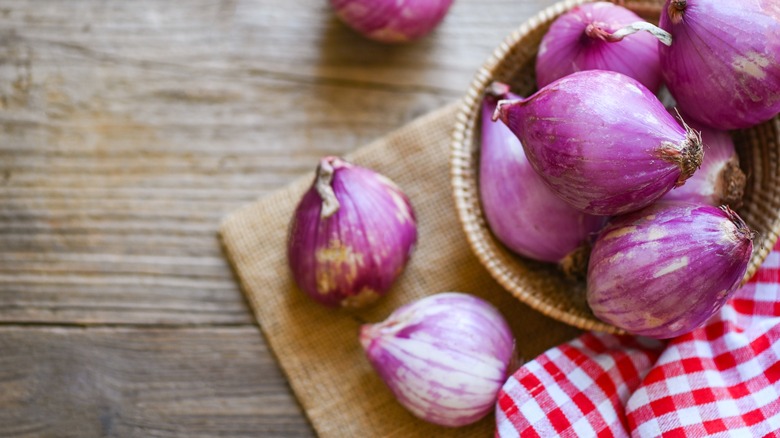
x=296, y=41
x=127, y=130
x=71, y=382
x=130, y=128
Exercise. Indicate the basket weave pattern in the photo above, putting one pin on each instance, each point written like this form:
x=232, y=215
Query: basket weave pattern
x=540, y=285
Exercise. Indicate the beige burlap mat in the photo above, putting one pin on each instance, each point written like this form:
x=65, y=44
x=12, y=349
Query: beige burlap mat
x=318, y=348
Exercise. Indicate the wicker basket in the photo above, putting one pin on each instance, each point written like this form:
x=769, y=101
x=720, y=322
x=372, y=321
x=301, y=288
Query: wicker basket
x=540, y=285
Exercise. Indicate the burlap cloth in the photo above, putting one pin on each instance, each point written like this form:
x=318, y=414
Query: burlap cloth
x=318, y=348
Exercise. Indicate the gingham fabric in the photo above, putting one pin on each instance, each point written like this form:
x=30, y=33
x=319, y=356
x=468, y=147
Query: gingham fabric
x=722, y=379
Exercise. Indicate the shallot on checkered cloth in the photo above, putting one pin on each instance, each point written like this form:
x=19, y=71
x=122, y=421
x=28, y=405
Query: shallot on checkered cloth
x=722, y=379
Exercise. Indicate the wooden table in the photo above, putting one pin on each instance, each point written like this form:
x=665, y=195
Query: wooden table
x=128, y=129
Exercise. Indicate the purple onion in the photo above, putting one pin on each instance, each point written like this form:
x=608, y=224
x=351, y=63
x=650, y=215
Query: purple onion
x=520, y=209
x=351, y=235
x=719, y=180
x=723, y=67
x=391, y=21
x=444, y=357
x=602, y=141
x=594, y=36
x=663, y=271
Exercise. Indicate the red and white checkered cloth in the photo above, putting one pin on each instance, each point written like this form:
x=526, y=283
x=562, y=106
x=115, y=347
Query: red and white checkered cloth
x=722, y=379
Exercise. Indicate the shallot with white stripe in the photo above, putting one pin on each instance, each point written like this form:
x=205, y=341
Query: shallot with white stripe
x=664, y=270
x=444, y=357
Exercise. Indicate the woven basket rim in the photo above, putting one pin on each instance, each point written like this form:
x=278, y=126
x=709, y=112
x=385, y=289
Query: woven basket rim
x=466, y=196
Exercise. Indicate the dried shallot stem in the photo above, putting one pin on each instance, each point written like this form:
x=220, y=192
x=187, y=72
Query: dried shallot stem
x=596, y=30
x=330, y=204
x=731, y=184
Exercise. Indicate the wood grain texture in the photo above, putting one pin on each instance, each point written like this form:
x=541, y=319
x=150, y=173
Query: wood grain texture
x=128, y=129
x=141, y=382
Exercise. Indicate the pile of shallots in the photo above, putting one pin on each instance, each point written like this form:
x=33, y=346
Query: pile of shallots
x=593, y=163
x=595, y=145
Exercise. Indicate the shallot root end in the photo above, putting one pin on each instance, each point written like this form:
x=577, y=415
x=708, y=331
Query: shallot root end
x=676, y=10
x=688, y=155
x=743, y=231
x=731, y=184
x=575, y=264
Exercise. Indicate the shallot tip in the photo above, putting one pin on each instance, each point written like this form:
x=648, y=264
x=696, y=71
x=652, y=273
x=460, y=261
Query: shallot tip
x=497, y=89
x=367, y=335
x=501, y=112
x=330, y=204
x=597, y=32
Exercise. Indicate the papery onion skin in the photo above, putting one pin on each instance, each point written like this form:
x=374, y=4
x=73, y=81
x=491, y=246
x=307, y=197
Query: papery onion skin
x=520, y=209
x=351, y=235
x=391, y=21
x=444, y=357
x=720, y=180
x=602, y=141
x=570, y=46
x=723, y=67
x=663, y=271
